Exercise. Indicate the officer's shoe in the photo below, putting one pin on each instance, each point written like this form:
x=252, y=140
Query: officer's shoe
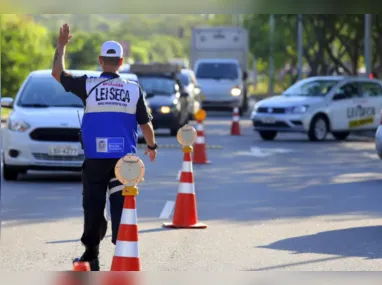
x=94, y=263
x=90, y=256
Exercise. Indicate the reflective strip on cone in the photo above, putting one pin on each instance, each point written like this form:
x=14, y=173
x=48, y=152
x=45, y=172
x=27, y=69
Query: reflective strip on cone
x=187, y=166
x=129, y=217
x=126, y=249
x=236, y=118
x=186, y=188
x=199, y=140
x=199, y=127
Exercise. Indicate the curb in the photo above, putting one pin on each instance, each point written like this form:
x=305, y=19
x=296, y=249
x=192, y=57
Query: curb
x=178, y=146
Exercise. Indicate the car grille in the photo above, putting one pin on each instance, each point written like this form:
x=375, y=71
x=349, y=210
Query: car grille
x=55, y=134
x=276, y=124
x=44, y=156
x=271, y=110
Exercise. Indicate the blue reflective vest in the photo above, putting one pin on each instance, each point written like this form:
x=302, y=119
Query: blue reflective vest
x=109, y=125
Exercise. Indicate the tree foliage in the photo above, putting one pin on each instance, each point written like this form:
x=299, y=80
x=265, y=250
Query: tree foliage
x=332, y=44
x=25, y=46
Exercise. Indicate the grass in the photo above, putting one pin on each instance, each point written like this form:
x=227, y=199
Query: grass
x=5, y=113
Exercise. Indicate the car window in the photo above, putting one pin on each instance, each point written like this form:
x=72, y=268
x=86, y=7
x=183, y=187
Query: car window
x=310, y=88
x=216, y=70
x=370, y=89
x=157, y=85
x=350, y=90
x=46, y=91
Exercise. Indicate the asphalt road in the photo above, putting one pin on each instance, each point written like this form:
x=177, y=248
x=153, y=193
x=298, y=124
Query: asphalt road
x=289, y=204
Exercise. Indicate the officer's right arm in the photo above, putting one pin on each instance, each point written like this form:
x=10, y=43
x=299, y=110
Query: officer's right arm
x=74, y=84
x=144, y=120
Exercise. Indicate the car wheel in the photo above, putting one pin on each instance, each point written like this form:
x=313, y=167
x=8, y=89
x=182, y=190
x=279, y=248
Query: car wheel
x=10, y=174
x=268, y=135
x=340, y=136
x=319, y=128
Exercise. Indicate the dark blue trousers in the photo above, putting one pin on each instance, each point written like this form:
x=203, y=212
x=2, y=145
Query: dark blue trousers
x=97, y=177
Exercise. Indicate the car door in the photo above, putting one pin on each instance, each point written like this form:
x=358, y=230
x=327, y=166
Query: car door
x=341, y=107
x=372, y=92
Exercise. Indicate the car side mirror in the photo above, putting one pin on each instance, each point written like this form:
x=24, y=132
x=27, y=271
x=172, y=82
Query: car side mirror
x=7, y=102
x=339, y=96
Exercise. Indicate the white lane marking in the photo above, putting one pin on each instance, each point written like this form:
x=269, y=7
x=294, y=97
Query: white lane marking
x=263, y=152
x=167, y=210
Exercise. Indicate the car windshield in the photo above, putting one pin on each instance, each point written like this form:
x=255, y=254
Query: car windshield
x=47, y=92
x=157, y=85
x=216, y=70
x=184, y=79
x=317, y=88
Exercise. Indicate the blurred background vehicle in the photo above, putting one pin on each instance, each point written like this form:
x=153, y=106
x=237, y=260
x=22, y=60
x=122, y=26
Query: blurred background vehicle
x=321, y=105
x=165, y=95
x=221, y=83
x=42, y=132
x=220, y=59
x=188, y=80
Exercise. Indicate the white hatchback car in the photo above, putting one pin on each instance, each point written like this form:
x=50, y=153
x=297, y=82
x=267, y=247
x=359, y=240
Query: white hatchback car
x=42, y=131
x=321, y=105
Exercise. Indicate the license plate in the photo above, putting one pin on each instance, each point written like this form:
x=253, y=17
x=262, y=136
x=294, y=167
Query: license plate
x=63, y=151
x=269, y=120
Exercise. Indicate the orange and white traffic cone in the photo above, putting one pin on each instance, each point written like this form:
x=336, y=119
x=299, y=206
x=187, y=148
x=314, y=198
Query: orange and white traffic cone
x=235, y=126
x=200, y=152
x=185, y=214
x=126, y=255
x=81, y=266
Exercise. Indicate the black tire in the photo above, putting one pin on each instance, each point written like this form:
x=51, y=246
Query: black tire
x=10, y=174
x=340, y=136
x=268, y=135
x=316, y=134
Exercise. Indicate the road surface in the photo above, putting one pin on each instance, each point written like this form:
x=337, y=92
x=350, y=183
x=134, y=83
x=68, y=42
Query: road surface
x=289, y=204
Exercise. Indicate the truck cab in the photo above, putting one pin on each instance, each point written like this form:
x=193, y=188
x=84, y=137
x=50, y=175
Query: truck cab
x=221, y=83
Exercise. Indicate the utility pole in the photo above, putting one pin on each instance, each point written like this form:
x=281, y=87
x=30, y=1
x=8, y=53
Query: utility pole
x=271, y=50
x=367, y=45
x=299, y=46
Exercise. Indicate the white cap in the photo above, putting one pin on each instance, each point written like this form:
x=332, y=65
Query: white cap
x=112, y=49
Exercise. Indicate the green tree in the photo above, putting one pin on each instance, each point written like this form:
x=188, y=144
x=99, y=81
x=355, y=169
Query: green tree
x=25, y=47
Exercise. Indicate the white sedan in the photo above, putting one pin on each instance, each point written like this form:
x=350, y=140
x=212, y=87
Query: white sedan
x=42, y=131
x=321, y=105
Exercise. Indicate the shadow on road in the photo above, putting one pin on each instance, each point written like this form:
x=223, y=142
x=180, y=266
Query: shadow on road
x=362, y=242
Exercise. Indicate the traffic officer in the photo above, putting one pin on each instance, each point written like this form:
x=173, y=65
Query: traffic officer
x=113, y=109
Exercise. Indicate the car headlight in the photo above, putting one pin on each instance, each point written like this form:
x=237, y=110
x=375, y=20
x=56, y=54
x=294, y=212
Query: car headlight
x=236, y=91
x=298, y=109
x=18, y=125
x=165, y=109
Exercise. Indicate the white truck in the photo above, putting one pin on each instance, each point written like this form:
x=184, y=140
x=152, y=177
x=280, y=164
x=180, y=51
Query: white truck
x=219, y=58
